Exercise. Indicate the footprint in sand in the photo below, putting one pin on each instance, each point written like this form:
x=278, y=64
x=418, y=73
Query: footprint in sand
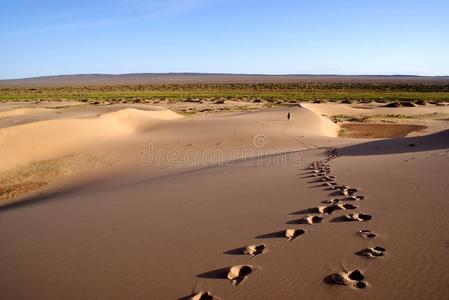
x=203, y=296
x=326, y=179
x=341, y=206
x=360, y=217
x=330, y=177
x=254, y=250
x=357, y=217
x=238, y=273
x=328, y=210
x=355, y=198
x=352, y=278
x=292, y=234
x=372, y=252
x=310, y=220
x=320, y=166
x=348, y=191
x=366, y=234
x=333, y=201
x=319, y=176
x=330, y=184
x=340, y=187
x=348, y=206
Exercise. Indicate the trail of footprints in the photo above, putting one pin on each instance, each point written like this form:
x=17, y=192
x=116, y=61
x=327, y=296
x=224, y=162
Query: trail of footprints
x=321, y=170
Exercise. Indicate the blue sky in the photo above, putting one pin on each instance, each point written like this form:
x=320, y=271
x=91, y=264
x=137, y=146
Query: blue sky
x=49, y=37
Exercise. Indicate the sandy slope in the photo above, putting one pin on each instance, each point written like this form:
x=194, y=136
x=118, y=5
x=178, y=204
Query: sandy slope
x=163, y=231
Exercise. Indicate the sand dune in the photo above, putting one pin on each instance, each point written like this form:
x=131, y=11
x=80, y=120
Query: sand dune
x=57, y=138
x=137, y=120
x=49, y=139
x=197, y=231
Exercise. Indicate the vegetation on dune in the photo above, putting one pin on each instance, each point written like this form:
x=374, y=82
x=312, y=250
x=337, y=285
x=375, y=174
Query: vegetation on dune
x=285, y=92
x=381, y=117
x=358, y=130
x=347, y=118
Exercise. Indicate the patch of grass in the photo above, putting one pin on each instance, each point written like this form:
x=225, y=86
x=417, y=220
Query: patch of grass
x=393, y=116
x=381, y=117
x=379, y=130
x=262, y=92
x=348, y=118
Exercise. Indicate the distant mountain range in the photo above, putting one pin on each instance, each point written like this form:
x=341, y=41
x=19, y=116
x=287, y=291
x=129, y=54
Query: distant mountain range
x=208, y=78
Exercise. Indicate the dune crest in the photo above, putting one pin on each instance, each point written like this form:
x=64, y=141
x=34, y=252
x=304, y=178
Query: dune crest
x=318, y=124
x=137, y=120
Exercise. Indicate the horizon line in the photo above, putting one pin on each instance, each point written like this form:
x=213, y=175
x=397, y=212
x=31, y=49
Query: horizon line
x=222, y=74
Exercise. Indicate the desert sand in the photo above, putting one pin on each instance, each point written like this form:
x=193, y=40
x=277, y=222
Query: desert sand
x=140, y=202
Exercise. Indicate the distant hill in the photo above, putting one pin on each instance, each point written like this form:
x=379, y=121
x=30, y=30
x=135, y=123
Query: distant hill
x=186, y=78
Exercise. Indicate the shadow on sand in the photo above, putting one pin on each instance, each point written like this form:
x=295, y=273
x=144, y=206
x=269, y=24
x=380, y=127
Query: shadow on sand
x=221, y=273
x=435, y=141
x=45, y=196
x=272, y=235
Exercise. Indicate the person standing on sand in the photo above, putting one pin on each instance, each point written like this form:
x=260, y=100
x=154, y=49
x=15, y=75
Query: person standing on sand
x=288, y=116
